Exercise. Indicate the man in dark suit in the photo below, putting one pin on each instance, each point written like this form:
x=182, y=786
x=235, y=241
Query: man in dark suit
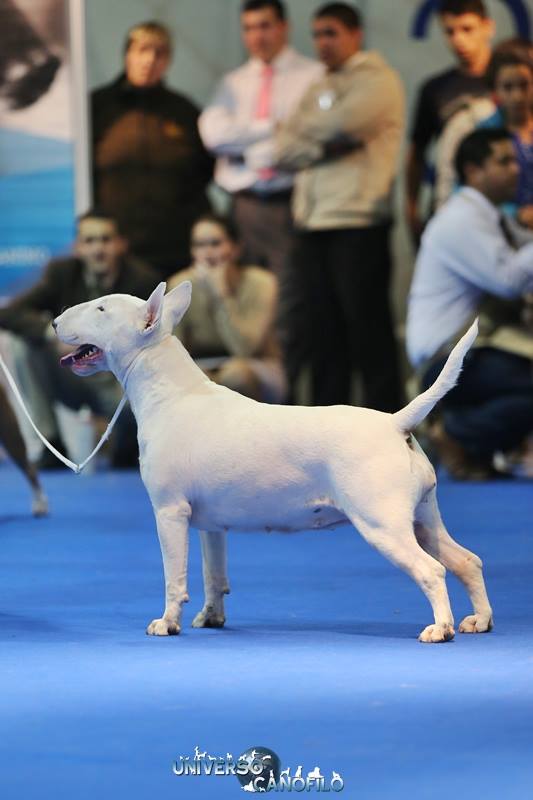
x=99, y=266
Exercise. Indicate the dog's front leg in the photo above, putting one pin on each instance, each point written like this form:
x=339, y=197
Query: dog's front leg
x=173, y=531
x=215, y=580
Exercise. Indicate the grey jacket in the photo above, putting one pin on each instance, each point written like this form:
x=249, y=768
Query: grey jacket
x=341, y=184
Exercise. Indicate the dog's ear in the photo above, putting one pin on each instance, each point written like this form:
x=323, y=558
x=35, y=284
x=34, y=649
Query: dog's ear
x=177, y=301
x=153, y=309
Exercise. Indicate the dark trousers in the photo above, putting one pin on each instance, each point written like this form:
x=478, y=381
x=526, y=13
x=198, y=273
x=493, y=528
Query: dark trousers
x=346, y=325
x=491, y=408
x=266, y=231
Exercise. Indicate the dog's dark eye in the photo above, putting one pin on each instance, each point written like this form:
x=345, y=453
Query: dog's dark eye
x=100, y=308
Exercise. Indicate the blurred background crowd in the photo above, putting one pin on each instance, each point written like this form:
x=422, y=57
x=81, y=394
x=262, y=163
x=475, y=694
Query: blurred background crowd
x=281, y=200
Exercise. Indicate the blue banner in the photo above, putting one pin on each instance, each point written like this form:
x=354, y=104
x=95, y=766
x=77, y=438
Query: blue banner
x=36, y=140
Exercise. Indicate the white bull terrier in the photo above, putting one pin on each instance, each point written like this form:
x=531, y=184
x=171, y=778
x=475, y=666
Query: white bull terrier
x=219, y=461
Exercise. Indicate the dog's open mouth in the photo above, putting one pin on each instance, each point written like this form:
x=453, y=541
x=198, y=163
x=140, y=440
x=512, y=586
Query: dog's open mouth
x=85, y=356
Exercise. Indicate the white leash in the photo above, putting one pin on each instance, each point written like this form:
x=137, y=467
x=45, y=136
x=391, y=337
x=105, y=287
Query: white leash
x=77, y=468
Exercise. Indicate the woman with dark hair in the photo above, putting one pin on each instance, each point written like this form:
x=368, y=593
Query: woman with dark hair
x=510, y=76
x=229, y=327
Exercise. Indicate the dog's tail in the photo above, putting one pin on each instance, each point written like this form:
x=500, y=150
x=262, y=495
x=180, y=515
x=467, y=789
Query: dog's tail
x=412, y=415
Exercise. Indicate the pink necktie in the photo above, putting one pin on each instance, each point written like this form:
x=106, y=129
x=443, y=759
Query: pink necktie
x=264, y=107
x=264, y=101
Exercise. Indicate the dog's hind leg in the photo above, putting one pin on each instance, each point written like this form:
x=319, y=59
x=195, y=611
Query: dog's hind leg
x=173, y=531
x=435, y=539
x=215, y=580
x=392, y=534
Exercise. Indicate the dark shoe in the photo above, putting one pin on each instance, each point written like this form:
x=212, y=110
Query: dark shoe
x=453, y=456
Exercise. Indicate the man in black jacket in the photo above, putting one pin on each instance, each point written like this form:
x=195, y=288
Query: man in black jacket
x=98, y=267
x=150, y=168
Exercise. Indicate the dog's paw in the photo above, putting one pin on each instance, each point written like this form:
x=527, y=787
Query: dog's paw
x=475, y=623
x=209, y=618
x=39, y=504
x=437, y=633
x=162, y=627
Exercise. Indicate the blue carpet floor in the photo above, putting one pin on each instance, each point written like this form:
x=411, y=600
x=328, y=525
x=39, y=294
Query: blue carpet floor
x=319, y=661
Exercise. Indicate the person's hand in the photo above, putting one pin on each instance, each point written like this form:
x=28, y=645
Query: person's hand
x=213, y=279
x=525, y=216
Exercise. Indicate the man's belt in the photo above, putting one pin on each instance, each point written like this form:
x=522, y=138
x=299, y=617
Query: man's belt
x=282, y=196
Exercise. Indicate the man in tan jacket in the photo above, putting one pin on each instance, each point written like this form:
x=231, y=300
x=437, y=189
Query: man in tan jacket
x=344, y=141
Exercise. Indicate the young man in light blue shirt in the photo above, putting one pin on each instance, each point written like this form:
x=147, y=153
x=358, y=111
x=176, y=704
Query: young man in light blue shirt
x=475, y=260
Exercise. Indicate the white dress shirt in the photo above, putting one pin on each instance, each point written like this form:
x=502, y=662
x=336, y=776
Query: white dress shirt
x=229, y=126
x=464, y=255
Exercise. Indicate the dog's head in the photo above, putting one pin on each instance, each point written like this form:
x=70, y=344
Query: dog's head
x=110, y=330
